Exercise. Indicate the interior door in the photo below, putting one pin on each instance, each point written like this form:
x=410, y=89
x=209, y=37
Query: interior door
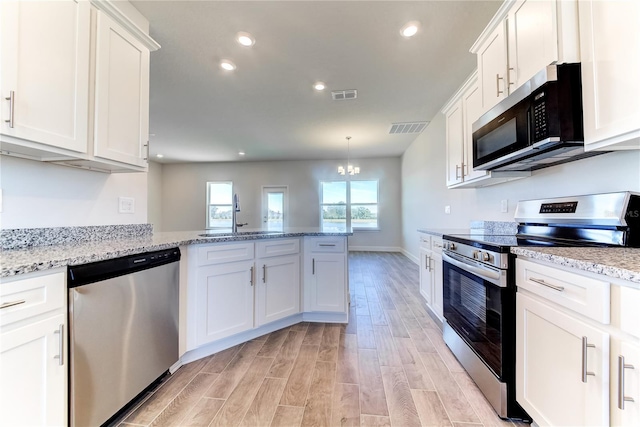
x=274, y=207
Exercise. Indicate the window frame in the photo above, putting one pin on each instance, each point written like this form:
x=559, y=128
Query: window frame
x=208, y=205
x=348, y=204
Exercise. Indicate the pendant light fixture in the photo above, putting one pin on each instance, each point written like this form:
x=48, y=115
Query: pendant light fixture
x=350, y=169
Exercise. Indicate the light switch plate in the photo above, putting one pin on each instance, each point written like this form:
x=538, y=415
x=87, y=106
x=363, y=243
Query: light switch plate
x=504, y=206
x=126, y=205
x=447, y=209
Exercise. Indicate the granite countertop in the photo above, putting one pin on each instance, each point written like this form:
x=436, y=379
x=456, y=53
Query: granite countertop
x=621, y=263
x=35, y=258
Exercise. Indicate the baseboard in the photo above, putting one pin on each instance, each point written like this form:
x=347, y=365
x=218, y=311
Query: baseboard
x=411, y=256
x=374, y=249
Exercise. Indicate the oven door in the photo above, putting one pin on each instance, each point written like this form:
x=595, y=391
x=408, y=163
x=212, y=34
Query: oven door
x=474, y=296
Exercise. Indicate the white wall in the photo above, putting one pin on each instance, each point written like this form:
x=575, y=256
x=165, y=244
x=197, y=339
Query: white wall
x=37, y=194
x=184, y=193
x=154, y=197
x=424, y=192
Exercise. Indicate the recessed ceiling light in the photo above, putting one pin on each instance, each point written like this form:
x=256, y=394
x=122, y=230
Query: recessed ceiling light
x=159, y=156
x=245, y=39
x=410, y=29
x=241, y=153
x=225, y=64
x=319, y=86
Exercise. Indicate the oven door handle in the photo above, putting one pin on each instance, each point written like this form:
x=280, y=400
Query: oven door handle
x=489, y=274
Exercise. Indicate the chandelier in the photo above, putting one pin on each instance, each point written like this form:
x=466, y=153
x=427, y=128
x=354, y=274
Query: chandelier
x=351, y=170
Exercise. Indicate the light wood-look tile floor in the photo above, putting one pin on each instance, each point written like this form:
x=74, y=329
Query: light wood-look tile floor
x=387, y=367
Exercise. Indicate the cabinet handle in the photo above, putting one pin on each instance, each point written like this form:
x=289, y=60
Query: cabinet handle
x=457, y=169
x=437, y=245
x=11, y=303
x=509, y=82
x=621, y=397
x=326, y=244
x=428, y=263
x=548, y=285
x=251, y=278
x=313, y=266
x=586, y=345
x=147, y=156
x=11, y=98
x=434, y=264
x=60, y=355
x=498, y=91
x=264, y=273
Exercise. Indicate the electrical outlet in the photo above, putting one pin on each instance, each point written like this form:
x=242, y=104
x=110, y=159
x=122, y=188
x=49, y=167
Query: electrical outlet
x=126, y=205
x=447, y=209
x=504, y=206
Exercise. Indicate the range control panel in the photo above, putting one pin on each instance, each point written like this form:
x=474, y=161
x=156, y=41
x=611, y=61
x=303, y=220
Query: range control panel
x=564, y=207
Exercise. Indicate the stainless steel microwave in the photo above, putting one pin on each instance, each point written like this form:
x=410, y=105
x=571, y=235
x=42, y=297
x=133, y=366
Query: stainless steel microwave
x=538, y=125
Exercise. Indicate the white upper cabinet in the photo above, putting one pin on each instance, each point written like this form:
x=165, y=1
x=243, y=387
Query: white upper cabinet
x=122, y=94
x=523, y=37
x=75, y=83
x=455, y=143
x=45, y=72
x=492, y=67
x=610, y=50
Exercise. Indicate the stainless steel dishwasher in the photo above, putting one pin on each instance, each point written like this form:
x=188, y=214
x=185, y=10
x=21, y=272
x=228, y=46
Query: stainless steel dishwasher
x=123, y=331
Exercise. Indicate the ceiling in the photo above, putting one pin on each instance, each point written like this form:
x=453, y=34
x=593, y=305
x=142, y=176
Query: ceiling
x=268, y=108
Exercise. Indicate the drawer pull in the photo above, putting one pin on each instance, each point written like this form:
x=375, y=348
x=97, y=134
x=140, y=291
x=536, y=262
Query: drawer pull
x=621, y=397
x=12, y=100
x=11, y=303
x=585, y=373
x=437, y=245
x=326, y=244
x=251, y=278
x=60, y=355
x=548, y=285
x=264, y=273
x=313, y=266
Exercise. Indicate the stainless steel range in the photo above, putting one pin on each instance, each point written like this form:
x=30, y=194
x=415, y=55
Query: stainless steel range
x=479, y=284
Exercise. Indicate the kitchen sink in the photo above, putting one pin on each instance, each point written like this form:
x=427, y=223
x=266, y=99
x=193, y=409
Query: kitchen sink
x=240, y=234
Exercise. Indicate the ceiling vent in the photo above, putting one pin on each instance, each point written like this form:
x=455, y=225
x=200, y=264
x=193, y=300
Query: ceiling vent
x=407, y=127
x=343, y=95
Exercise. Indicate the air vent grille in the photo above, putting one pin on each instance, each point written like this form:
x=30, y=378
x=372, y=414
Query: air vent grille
x=343, y=95
x=408, y=127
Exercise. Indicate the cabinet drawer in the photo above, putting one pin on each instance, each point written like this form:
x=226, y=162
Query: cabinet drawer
x=275, y=247
x=587, y=296
x=630, y=310
x=29, y=297
x=436, y=244
x=425, y=242
x=220, y=253
x=327, y=244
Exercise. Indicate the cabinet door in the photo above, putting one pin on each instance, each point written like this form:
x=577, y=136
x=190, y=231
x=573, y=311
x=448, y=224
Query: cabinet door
x=472, y=105
x=533, y=39
x=455, y=142
x=277, y=288
x=437, y=304
x=224, y=300
x=610, y=51
x=549, y=367
x=328, y=283
x=122, y=95
x=33, y=377
x=425, y=275
x=630, y=415
x=45, y=65
x=492, y=68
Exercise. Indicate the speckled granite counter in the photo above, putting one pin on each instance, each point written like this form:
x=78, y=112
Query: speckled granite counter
x=439, y=232
x=20, y=261
x=621, y=263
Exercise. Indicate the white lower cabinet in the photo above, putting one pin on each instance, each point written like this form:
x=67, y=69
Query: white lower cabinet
x=278, y=288
x=224, y=300
x=554, y=384
x=577, y=346
x=33, y=358
x=431, y=281
x=325, y=267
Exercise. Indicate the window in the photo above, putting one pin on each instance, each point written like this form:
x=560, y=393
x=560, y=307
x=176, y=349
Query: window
x=219, y=204
x=359, y=210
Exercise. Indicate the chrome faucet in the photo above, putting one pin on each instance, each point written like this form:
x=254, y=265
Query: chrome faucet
x=234, y=210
